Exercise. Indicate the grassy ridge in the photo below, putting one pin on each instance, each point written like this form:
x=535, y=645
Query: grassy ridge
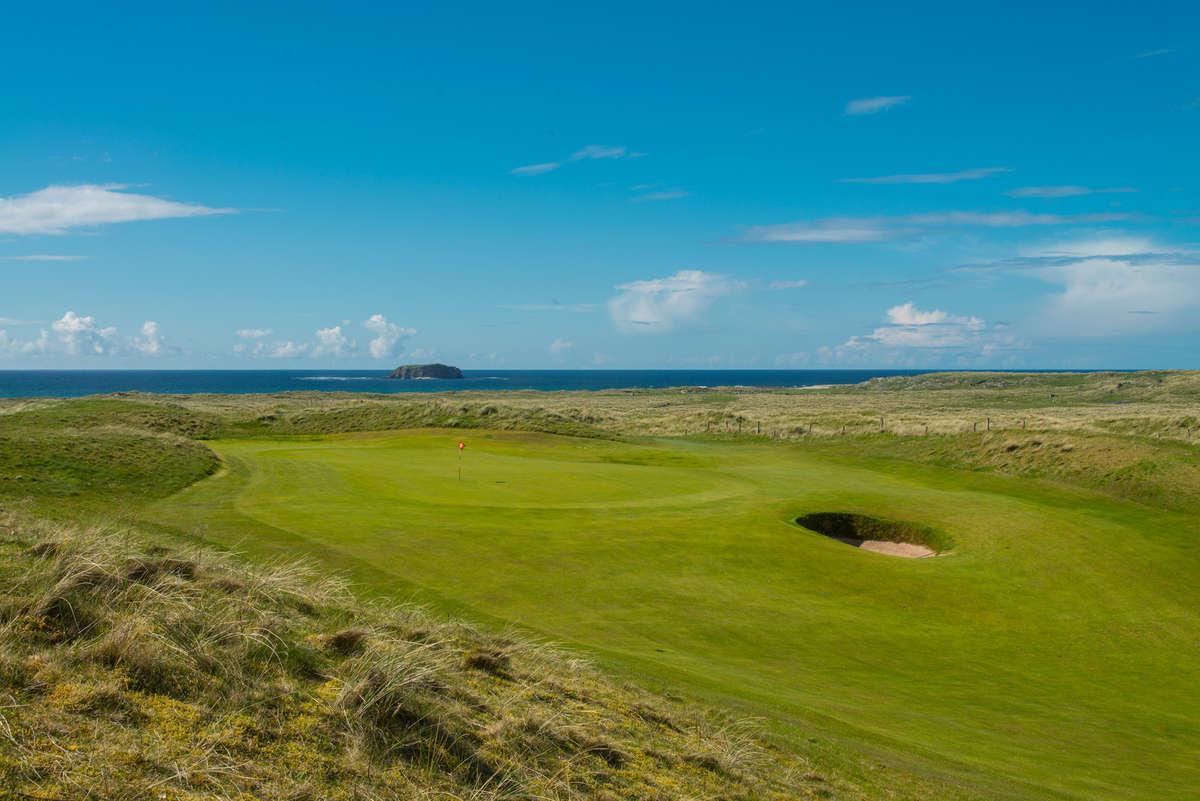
x=1143, y=470
x=1154, y=405
x=100, y=454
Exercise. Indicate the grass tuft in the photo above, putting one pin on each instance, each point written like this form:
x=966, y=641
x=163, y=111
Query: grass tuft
x=348, y=641
x=489, y=660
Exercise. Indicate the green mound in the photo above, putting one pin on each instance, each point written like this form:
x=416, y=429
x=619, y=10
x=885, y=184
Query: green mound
x=158, y=416
x=104, y=468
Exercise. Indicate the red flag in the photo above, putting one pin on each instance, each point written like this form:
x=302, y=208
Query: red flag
x=461, y=444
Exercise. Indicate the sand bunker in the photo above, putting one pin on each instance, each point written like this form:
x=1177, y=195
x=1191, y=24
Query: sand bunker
x=906, y=550
x=873, y=534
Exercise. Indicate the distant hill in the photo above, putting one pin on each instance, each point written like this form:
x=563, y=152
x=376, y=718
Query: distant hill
x=426, y=371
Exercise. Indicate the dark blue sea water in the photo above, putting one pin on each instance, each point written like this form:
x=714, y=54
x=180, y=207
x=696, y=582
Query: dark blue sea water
x=73, y=383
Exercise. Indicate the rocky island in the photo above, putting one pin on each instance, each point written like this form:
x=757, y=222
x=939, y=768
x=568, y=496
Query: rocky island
x=426, y=371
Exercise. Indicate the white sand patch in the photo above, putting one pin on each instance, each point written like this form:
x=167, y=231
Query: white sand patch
x=905, y=550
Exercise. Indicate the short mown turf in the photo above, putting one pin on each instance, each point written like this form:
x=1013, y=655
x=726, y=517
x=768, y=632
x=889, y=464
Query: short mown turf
x=1050, y=653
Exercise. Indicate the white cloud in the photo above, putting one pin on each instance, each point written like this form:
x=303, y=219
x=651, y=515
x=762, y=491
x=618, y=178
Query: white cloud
x=80, y=335
x=913, y=335
x=1104, y=297
x=1114, y=286
x=1096, y=246
x=150, y=342
x=1158, y=51
x=838, y=230
x=24, y=347
x=600, y=152
x=56, y=209
x=1110, y=285
x=286, y=350
x=536, y=169
x=388, y=336
x=560, y=347
x=1009, y=219
x=555, y=306
x=1067, y=191
x=797, y=284
x=878, y=228
x=333, y=342
x=909, y=314
x=588, y=153
x=41, y=257
x=664, y=304
x=931, y=177
x=665, y=194
x=873, y=105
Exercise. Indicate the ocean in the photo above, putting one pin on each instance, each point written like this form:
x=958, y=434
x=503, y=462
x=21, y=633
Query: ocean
x=74, y=383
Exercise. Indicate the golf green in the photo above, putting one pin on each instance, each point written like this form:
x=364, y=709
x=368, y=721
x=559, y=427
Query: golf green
x=1049, y=653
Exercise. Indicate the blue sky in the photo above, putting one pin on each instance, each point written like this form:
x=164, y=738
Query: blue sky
x=633, y=185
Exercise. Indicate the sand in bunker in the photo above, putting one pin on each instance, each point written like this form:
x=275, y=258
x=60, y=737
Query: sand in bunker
x=888, y=537
x=907, y=550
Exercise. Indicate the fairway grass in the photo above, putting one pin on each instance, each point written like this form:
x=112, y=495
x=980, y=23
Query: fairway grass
x=1049, y=654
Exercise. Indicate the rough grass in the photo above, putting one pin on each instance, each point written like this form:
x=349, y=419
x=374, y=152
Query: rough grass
x=130, y=672
x=1153, y=404
x=1156, y=405
x=1149, y=471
